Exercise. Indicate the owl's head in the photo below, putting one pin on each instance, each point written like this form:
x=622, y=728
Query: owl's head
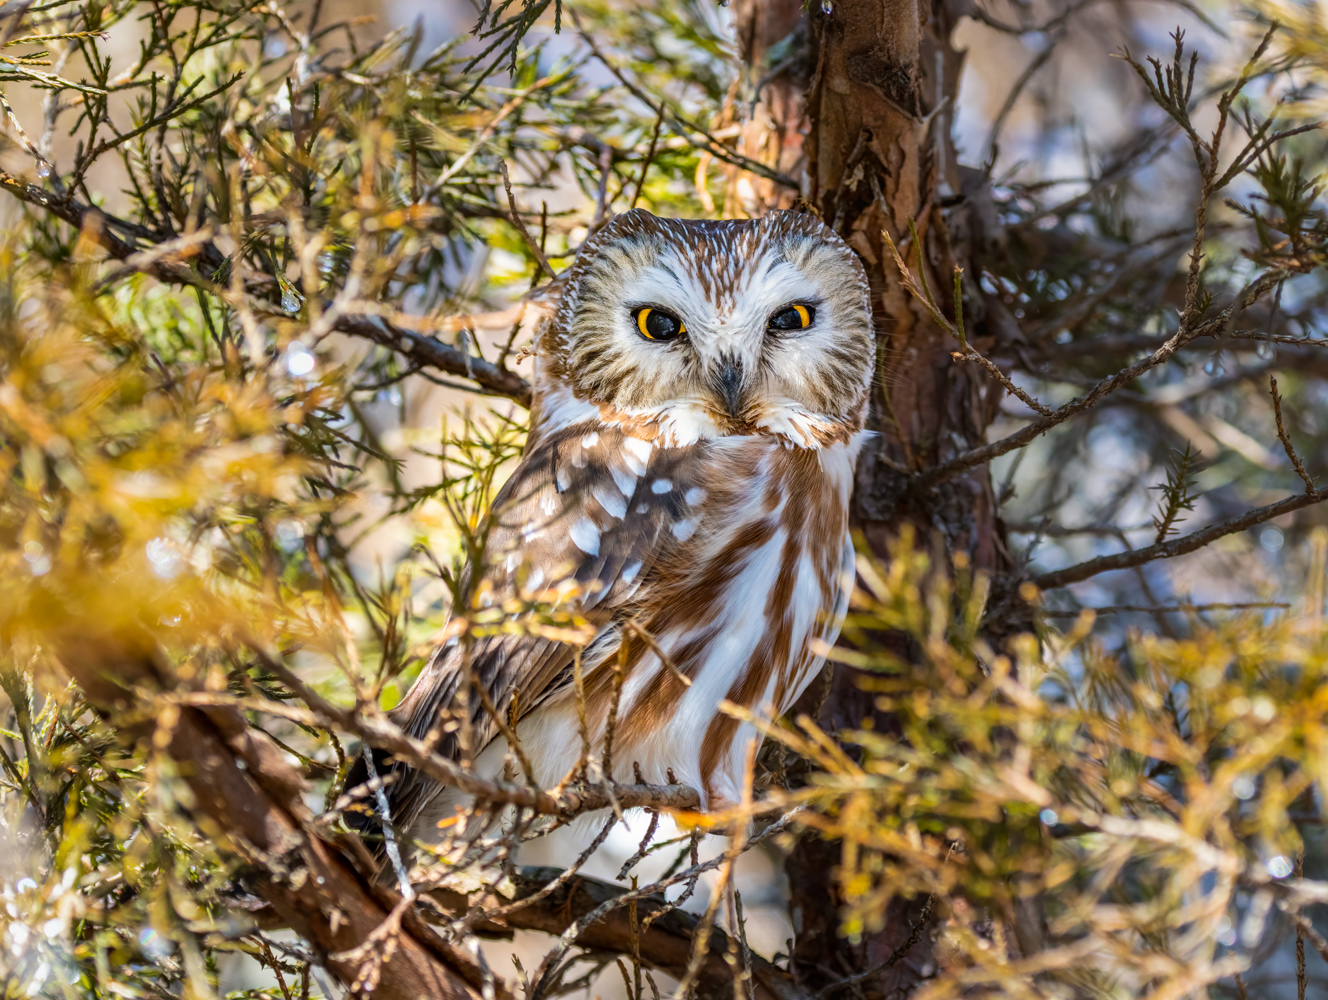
x=721, y=327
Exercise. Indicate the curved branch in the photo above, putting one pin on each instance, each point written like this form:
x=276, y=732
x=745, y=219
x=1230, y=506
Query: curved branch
x=664, y=938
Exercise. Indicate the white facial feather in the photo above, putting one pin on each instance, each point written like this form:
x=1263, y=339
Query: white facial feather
x=724, y=281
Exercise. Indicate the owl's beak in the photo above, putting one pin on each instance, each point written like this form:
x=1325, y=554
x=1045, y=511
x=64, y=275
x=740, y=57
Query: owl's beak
x=729, y=382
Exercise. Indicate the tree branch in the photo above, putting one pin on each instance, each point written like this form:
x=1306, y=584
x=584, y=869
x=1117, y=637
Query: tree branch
x=1177, y=546
x=381, y=733
x=665, y=934
x=419, y=349
x=985, y=453
x=427, y=352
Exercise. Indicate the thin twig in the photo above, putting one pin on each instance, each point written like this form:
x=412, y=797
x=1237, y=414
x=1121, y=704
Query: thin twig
x=601, y=215
x=896, y=956
x=1302, y=978
x=709, y=142
x=650, y=158
x=985, y=453
x=521, y=226
x=1014, y=390
x=1121, y=609
x=1286, y=441
x=1176, y=546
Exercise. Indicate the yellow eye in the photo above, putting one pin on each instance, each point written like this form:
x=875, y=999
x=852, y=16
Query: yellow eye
x=794, y=317
x=658, y=324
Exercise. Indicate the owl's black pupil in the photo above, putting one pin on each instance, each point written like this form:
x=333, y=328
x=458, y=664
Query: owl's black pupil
x=661, y=325
x=787, y=319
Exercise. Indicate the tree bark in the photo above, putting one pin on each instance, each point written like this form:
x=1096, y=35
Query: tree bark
x=872, y=97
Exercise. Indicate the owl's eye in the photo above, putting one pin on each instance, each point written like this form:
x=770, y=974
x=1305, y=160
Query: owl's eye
x=656, y=324
x=794, y=317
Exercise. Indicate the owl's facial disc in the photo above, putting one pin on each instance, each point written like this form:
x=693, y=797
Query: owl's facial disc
x=742, y=321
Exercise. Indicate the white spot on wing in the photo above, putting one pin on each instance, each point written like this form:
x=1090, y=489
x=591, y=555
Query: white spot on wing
x=642, y=508
x=685, y=529
x=561, y=480
x=661, y=486
x=695, y=495
x=613, y=502
x=590, y=440
x=637, y=453
x=585, y=536
x=548, y=504
x=624, y=480
x=630, y=570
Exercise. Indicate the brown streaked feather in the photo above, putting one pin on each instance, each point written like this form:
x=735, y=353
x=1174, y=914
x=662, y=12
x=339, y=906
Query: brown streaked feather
x=566, y=483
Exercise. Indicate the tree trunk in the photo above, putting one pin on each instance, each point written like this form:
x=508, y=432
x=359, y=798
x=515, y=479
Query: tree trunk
x=863, y=117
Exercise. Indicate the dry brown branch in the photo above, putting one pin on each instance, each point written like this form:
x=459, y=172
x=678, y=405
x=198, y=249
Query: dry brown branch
x=1305, y=932
x=1176, y=546
x=571, y=800
x=521, y=226
x=601, y=215
x=1286, y=441
x=428, y=352
x=664, y=934
x=554, y=901
x=920, y=292
x=690, y=875
x=985, y=453
x=650, y=158
x=1121, y=609
x=1000, y=376
x=97, y=225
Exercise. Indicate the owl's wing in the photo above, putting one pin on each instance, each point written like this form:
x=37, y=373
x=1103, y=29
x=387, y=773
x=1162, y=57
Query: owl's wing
x=591, y=505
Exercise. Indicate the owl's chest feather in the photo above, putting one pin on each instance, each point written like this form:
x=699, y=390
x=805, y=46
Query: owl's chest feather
x=713, y=567
x=736, y=608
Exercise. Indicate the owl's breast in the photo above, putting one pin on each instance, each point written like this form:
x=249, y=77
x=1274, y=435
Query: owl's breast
x=714, y=571
x=737, y=609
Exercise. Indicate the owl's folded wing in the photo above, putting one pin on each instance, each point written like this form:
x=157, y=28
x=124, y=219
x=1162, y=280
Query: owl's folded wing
x=587, y=505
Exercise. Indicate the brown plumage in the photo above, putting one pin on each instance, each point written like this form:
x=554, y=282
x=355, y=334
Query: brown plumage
x=699, y=396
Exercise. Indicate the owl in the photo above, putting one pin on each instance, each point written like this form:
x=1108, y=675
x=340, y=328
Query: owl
x=698, y=402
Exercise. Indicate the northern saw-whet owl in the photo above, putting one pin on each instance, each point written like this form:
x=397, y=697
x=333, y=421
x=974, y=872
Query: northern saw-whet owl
x=699, y=393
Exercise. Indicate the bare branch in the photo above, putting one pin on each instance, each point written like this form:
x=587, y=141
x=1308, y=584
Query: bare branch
x=1175, y=547
x=1286, y=441
x=985, y=453
x=571, y=800
x=521, y=226
x=665, y=933
x=1122, y=609
x=242, y=782
x=428, y=352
